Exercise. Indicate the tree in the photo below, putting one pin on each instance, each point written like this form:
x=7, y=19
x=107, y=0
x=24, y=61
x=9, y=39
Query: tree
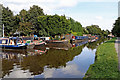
x=94, y=30
x=116, y=28
x=53, y=25
x=8, y=20
x=25, y=27
x=85, y=31
x=33, y=13
x=75, y=26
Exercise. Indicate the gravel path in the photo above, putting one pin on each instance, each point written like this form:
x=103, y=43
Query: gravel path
x=117, y=46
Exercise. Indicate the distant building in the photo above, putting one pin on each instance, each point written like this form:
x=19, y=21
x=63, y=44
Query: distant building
x=119, y=9
x=110, y=35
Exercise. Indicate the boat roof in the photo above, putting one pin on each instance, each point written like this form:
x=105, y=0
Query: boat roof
x=14, y=38
x=4, y=38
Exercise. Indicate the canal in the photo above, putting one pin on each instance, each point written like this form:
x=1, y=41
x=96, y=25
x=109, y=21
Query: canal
x=45, y=62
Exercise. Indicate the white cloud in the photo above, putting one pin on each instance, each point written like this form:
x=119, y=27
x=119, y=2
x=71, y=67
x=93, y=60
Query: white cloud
x=47, y=5
x=103, y=22
x=17, y=5
x=68, y=3
x=99, y=17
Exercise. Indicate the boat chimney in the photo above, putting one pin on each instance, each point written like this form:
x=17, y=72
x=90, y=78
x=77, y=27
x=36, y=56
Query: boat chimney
x=3, y=30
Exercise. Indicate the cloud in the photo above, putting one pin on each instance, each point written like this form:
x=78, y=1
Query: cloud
x=47, y=5
x=98, y=0
x=99, y=17
x=67, y=3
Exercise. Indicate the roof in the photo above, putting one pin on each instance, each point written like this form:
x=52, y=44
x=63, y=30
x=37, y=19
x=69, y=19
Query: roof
x=14, y=38
x=4, y=38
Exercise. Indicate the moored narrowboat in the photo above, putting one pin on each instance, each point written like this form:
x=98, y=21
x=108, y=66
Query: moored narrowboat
x=12, y=43
x=29, y=42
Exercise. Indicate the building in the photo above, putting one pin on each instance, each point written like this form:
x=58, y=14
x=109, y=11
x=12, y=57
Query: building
x=119, y=9
x=110, y=35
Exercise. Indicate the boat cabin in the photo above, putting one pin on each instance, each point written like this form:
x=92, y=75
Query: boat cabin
x=11, y=41
x=15, y=41
x=4, y=41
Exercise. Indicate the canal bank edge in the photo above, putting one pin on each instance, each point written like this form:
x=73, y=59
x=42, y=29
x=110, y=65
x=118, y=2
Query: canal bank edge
x=106, y=63
x=117, y=46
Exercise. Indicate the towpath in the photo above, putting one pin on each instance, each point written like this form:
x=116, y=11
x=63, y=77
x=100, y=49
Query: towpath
x=117, y=46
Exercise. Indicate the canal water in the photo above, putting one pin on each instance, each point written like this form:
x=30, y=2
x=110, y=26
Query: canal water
x=45, y=62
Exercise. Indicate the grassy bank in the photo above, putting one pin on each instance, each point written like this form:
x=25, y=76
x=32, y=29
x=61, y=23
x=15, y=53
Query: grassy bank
x=106, y=64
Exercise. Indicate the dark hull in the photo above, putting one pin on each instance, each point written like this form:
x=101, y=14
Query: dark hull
x=40, y=44
x=21, y=47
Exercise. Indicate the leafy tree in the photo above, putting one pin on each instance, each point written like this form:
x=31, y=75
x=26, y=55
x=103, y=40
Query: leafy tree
x=85, y=31
x=27, y=20
x=94, y=30
x=75, y=26
x=33, y=13
x=25, y=27
x=53, y=25
x=116, y=28
x=105, y=33
x=8, y=20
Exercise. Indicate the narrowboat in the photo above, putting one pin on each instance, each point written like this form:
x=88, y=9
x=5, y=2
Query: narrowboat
x=39, y=42
x=29, y=42
x=33, y=41
x=12, y=43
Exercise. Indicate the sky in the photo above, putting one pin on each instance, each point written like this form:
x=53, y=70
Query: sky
x=87, y=12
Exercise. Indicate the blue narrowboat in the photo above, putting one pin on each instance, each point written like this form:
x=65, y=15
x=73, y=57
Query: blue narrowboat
x=12, y=43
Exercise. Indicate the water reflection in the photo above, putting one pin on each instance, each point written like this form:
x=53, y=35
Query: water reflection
x=52, y=59
x=74, y=69
x=93, y=45
x=49, y=62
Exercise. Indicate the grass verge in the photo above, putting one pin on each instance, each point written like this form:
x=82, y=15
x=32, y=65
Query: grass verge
x=106, y=64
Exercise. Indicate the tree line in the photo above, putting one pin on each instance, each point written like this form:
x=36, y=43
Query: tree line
x=35, y=21
x=95, y=30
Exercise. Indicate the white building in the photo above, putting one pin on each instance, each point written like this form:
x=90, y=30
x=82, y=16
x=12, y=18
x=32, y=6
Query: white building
x=119, y=9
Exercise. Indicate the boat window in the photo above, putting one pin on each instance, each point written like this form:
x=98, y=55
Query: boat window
x=19, y=41
x=0, y=41
x=12, y=42
x=4, y=41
